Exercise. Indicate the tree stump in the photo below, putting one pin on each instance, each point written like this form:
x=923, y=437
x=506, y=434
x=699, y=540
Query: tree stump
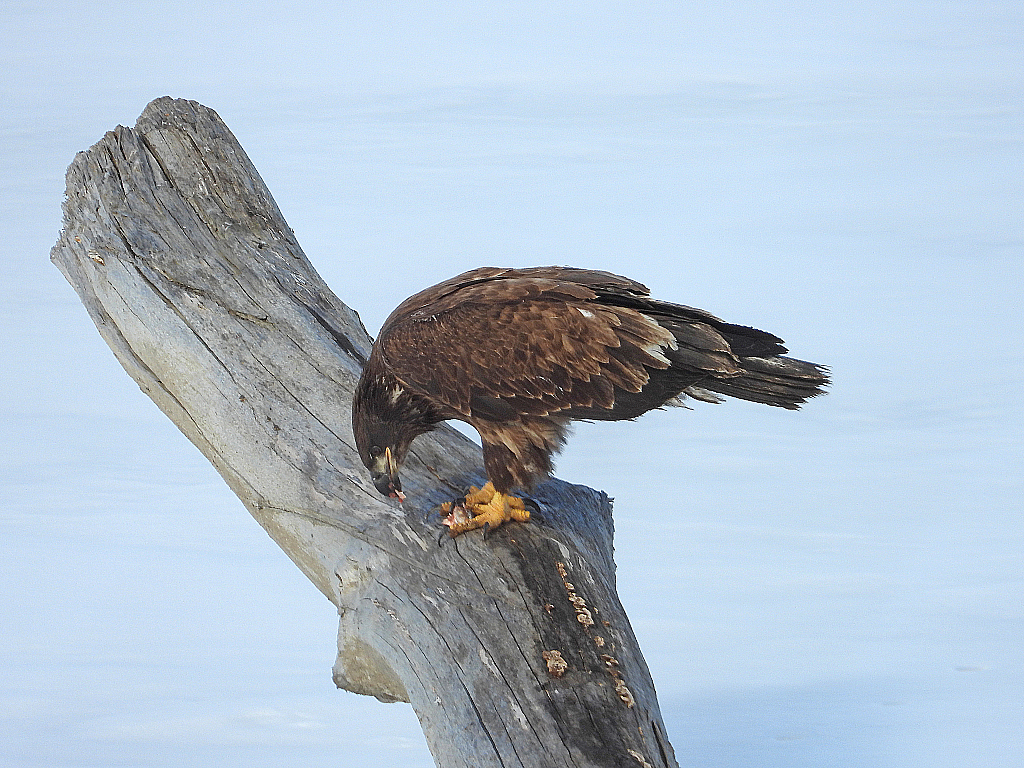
x=513, y=650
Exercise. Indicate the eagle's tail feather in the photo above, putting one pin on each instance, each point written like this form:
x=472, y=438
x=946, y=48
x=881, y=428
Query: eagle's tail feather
x=738, y=361
x=780, y=381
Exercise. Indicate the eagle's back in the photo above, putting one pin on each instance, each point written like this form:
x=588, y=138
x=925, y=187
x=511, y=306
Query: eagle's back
x=494, y=344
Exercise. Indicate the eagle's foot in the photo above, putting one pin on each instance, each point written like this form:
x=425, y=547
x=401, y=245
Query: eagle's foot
x=483, y=508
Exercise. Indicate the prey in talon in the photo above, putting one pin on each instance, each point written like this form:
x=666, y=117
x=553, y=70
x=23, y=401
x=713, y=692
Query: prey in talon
x=482, y=508
x=519, y=354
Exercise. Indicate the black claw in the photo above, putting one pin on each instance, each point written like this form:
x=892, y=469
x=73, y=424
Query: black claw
x=536, y=511
x=487, y=529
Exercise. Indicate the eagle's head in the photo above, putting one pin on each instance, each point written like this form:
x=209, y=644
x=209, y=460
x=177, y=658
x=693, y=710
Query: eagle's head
x=382, y=445
x=385, y=421
x=384, y=471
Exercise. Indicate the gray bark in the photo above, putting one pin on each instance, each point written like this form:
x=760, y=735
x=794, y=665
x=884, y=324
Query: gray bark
x=514, y=650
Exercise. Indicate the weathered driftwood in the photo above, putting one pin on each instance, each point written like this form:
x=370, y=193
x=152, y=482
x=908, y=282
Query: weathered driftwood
x=514, y=650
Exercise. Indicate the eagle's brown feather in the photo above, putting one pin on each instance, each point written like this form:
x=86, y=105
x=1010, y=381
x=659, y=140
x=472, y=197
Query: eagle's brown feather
x=520, y=353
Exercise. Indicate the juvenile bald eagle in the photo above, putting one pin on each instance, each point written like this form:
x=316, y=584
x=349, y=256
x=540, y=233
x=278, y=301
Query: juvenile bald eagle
x=520, y=353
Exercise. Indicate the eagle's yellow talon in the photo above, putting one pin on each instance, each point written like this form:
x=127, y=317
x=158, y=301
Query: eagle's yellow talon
x=483, y=507
x=517, y=509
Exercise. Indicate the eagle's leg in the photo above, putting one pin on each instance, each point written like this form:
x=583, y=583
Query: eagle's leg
x=486, y=508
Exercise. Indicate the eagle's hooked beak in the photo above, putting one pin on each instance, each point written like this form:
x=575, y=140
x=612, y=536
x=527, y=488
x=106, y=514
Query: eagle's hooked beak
x=385, y=476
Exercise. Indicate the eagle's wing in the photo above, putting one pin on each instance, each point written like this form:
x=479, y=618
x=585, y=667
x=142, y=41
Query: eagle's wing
x=501, y=346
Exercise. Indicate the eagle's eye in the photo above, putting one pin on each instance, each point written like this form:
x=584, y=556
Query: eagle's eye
x=375, y=451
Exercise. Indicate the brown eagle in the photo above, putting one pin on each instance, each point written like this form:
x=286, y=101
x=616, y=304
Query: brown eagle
x=520, y=353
